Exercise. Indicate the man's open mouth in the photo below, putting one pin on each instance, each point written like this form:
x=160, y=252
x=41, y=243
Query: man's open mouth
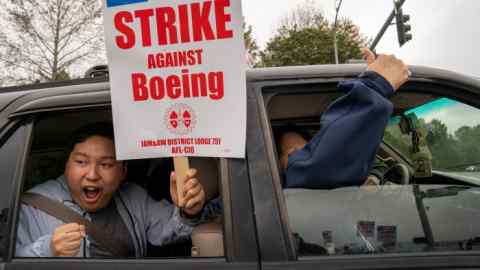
x=92, y=194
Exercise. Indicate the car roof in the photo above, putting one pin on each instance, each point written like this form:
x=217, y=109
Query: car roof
x=351, y=70
x=276, y=73
x=34, y=94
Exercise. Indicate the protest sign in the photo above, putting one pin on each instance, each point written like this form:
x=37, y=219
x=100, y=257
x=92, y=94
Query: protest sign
x=177, y=77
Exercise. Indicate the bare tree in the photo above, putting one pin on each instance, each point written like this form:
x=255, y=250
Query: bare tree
x=250, y=45
x=45, y=39
x=305, y=15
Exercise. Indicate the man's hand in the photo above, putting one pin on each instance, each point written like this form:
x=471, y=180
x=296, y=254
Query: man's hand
x=391, y=68
x=67, y=239
x=193, y=193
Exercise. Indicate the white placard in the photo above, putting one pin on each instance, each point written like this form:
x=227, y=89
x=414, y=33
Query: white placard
x=177, y=77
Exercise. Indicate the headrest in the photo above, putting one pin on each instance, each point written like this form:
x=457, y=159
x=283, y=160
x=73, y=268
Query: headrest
x=207, y=240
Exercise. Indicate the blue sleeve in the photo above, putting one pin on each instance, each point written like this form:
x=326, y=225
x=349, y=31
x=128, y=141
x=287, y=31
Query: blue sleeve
x=351, y=129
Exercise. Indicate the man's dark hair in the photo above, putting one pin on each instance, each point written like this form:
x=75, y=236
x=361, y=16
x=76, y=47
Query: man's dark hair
x=103, y=129
x=280, y=131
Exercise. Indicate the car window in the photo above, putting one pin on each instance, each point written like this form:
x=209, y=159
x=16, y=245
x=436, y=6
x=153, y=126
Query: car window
x=10, y=151
x=404, y=212
x=143, y=207
x=452, y=131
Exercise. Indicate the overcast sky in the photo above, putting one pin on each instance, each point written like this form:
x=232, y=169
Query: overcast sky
x=446, y=33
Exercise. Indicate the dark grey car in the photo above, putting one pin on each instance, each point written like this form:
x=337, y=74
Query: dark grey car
x=424, y=223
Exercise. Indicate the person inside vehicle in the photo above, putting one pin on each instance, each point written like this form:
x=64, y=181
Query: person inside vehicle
x=342, y=152
x=93, y=186
x=292, y=137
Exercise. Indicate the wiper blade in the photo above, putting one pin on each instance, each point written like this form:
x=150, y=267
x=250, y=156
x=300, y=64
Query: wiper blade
x=427, y=228
x=443, y=192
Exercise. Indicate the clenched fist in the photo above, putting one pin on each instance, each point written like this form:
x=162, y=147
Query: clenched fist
x=193, y=193
x=67, y=239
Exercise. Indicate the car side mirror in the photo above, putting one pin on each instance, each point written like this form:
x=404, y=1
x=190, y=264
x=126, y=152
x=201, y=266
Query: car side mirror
x=408, y=123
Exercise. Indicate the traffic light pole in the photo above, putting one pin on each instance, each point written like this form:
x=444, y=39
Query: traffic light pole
x=387, y=23
x=338, y=4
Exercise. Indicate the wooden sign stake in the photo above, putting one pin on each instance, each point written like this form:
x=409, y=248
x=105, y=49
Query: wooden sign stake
x=181, y=167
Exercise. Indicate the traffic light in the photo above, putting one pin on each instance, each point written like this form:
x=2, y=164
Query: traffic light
x=403, y=29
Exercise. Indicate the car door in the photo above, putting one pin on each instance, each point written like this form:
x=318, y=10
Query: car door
x=13, y=141
x=423, y=210
x=82, y=103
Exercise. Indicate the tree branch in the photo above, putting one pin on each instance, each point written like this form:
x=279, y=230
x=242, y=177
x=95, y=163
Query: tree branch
x=83, y=44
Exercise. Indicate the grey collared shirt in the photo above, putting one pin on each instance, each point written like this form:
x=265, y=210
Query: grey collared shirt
x=157, y=222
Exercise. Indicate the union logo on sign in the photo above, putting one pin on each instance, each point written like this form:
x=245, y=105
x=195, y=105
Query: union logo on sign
x=180, y=119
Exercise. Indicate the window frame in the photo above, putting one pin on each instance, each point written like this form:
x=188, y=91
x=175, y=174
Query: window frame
x=264, y=91
x=261, y=93
x=237, y=253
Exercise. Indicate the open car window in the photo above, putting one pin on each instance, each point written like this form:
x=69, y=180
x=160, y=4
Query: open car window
x=151, y=181
x=404, y=213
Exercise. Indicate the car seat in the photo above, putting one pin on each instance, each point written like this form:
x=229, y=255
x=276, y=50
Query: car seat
x=207, y=239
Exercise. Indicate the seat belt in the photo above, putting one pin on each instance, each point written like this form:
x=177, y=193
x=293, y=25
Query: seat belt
x=57, y=209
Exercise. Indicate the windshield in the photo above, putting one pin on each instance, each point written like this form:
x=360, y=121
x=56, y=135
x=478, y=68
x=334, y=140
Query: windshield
x=452, y=135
